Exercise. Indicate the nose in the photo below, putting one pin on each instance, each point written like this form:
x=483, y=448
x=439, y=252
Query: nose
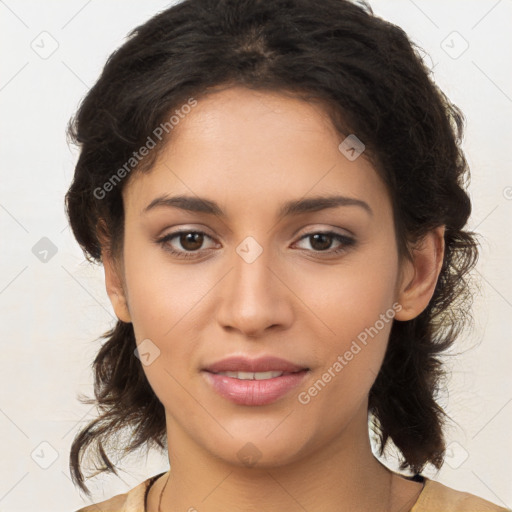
x=254, y=297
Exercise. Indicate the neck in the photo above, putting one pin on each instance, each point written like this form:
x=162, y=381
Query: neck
x=342, y=475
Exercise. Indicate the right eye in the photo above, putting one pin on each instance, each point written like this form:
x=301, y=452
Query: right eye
x=190, y=241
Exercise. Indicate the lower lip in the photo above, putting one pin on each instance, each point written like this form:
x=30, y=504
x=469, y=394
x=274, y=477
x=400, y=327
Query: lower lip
x=254, y=392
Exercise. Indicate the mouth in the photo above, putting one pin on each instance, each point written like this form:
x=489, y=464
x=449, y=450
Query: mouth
x=254, y=382
x=253, y=375
x=244, y=366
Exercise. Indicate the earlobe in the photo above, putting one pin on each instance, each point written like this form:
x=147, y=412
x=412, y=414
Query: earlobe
x=419, y=277
x=114, y=287
x=113, y=277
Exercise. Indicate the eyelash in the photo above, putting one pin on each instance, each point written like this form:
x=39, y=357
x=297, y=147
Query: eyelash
x=345, y=240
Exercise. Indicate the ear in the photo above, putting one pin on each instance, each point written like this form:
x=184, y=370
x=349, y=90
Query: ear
x=419, y=276
x=113, y=278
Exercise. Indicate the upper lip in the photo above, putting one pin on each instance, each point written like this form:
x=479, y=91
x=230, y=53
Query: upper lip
x=246, y=364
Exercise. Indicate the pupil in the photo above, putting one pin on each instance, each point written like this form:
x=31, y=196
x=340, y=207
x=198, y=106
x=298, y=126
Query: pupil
x=322, y=246
x=191, y=242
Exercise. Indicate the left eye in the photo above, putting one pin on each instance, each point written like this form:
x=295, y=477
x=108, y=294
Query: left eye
x=192, y=241
x=322, y=241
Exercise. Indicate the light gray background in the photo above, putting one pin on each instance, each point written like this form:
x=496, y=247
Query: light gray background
x=53, y=311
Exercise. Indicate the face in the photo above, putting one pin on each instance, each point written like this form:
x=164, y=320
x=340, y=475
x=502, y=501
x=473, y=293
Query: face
x=231, y=279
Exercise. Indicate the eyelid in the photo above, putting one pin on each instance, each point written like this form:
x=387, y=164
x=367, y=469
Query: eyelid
x=325, y=228
x=310, y=230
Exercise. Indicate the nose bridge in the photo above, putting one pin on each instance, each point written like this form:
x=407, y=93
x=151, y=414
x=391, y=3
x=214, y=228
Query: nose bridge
x=251, y=279
x=251, y=275
x=252, y=297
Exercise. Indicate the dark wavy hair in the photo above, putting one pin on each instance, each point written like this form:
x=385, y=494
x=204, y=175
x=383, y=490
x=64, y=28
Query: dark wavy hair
x=373, y=82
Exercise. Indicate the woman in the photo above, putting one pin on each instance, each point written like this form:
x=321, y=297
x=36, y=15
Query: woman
x=275, y=190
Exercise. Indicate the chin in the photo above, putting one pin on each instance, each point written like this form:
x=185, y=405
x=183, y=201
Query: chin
x=259, y=449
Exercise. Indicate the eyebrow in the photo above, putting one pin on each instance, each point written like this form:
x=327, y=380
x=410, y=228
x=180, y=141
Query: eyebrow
x=294, y=207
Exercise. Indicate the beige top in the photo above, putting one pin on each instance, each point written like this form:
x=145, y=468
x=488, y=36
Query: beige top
x=435, y=497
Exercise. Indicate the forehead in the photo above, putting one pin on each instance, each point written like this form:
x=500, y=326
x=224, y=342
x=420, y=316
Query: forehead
x=255, y=147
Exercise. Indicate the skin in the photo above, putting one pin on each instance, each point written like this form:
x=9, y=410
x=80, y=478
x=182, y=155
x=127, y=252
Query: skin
x=250, y=152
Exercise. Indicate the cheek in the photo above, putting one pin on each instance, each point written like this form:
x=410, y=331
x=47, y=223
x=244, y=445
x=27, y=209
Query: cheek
x=350, y=343
x=163, y=306
x=353, y=307
x=161, y=295
x=348, y=299
x=162, y=299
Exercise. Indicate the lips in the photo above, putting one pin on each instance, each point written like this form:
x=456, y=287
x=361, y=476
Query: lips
x=262, y=364
x=252, y=375
x=252, y=382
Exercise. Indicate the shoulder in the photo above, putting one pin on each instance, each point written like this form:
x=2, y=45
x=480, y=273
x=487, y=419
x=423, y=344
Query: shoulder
x=116, y=503
x=131, y=501
x=437, y=497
